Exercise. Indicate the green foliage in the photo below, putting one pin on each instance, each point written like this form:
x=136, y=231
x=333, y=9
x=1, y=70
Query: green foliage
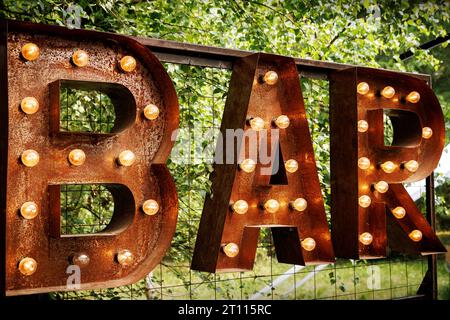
x=86, y=111
x=85, y=208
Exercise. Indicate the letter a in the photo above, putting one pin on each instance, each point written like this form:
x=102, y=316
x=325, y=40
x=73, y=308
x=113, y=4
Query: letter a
x=244, y=197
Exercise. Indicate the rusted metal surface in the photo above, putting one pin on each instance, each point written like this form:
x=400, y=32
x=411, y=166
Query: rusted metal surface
x=249, y=98
x=216, y=57
x=348, y=182
x=147, y=237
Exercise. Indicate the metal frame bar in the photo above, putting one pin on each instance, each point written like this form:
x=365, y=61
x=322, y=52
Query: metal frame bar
x=215, y=57
x=426, y=46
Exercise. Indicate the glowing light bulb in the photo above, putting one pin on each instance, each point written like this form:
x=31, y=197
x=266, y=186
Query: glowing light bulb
x=257, y=123
x=381, y=186
x=299, y=204
x=363, y=163
x=151, y=112
x=282, y=121
x=272, y=205
x=128, y=64
x=150, y=207
x=248, y=165
x=388, y=166
x=27, y=266
x=399, y=212
x=308, y=244
x=80, y=58
x=388, y=92
x=364, y=201
x=362, y=88
x=427, y=132
x=413, y=97
x=30, y=51
x=411, y=165
x=231, y=249
x=363, y=126
x=29, y=105
x=29, y=210
x=415, y=235
x=126, y=158
x=365, y=238
x=271, y=77
x=81, y=259
x=77, y=157
x=291, y=165
x=30, y=158
x=240, y=206
x=125, y=258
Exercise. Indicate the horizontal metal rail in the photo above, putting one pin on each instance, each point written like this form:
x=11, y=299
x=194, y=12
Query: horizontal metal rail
x=216, y=57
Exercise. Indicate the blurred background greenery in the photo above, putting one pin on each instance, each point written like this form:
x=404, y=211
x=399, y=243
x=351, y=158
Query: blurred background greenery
x=367, y=33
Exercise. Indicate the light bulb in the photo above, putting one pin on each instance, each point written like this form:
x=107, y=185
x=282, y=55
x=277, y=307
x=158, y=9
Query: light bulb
x=30, y=51
x=388, y=166
x=257, y=123
x=77, y=157
x=231, y=249
x=128, y=64
x=427, y=132
x=27, y=266
x=364, y=201
x=151, y=111
x=271, y=205
x=381, y=186
x=240, y=206
x=411, y=165
x=291, y=165
x=282, y=121
x=126, y=158
x=363, y=126
x=363, y=163
x=362, y=88
x=399, y=212
x=271, y=77
x=388, y=92
x=30, y=158
x=29, y=210
x=248, y=165
x=80, y=58
x=413, y=97
x=125, y=258
x=299, y=204
x=415, y=235
x=29, y=105
x=365, y=238
x=308, y=244
x=81, y=259
x=150, y=207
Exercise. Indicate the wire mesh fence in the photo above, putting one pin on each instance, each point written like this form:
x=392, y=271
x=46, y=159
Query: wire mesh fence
x=202, y=94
